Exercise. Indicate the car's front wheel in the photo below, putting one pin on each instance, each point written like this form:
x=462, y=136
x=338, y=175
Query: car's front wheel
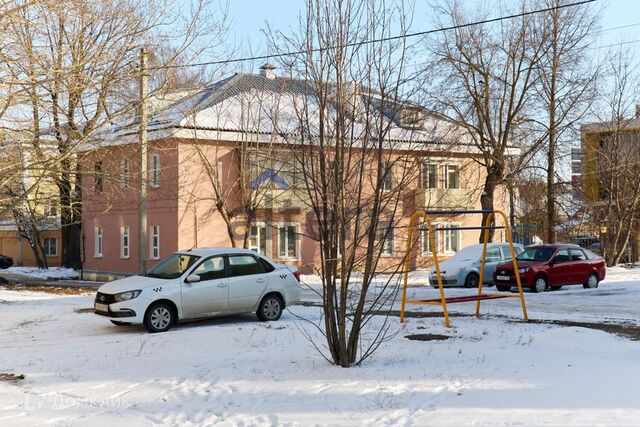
x=540, y=285
x=270, y=308
x=159, y=318
x=592, y=281
x=472, y=281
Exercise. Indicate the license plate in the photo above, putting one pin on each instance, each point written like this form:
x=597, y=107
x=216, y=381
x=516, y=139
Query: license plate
x=503, y=277
x=102, y=307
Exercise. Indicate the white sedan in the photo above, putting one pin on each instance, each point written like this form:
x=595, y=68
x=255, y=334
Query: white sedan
x=200, y=283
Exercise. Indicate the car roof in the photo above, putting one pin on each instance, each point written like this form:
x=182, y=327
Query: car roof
x=217, y=251
x=555, y=246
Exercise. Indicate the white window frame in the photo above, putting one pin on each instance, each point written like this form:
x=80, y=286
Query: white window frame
x=125, y=179
x=447, y=250
x=154, y=244
x=286, y=255
x=125, y=242
x=155, y=170
x=446, y=176
x=388, y=238
x=98, y=247
x=46, y=243
x=387, y=169
x=424, y=172
x=260, y=227
x=424, y=240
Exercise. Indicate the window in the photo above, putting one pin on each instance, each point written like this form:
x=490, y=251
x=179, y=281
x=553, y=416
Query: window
x=561, y=256
x=286, y=170
x=577, y=255
x=386, y=174
x=124, y=242
x=452, y=176
x=52, y=209
x=446, y=241
x=99, y=233
x=172, y=266
x=258, y=239
x=210, y=269
x=493, y=254
x=266, y=266
x=155, y=170
x=288, y=242
x=426, y=244
x=410, y=117
x=98, y=176
x=429, y=175
x=536, y=254
x=385, y=237
x=125, y=179
x=154, y=252
x=243, y=265
x=451, y=240
x=506, y=252
x=50, y=246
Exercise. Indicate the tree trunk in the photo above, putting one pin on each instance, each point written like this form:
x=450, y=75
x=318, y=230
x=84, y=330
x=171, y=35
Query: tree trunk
x=70, y=223
x=493, y=179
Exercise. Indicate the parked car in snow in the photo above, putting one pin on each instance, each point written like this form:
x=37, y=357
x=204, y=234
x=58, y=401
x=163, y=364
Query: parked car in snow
x=5, y=261
x=201, y=283
x=463, y=269
x=552, y=266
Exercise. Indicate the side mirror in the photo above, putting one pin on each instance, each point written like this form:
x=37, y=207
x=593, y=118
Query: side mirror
x=193, y=278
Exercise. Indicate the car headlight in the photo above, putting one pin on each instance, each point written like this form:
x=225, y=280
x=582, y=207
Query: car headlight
x=125, y=296
x=523, y=270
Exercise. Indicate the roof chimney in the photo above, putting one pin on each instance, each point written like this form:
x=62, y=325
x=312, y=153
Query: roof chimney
x=268, y=71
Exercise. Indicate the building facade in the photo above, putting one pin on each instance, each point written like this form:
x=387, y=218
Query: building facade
x=203, y=152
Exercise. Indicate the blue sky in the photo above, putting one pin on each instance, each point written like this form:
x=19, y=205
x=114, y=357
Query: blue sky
x=249, y=17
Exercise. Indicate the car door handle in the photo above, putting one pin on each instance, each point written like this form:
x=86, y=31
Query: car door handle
x=222, y=285
x=260, y=280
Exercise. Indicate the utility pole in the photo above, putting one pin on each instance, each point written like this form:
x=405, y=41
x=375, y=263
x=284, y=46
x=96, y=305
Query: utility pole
x=143, y=239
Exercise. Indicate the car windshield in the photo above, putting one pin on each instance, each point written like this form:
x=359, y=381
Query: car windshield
x=536, y=254
x=172, y=266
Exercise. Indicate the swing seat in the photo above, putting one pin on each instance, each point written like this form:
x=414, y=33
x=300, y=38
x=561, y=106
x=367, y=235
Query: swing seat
x=465, y=298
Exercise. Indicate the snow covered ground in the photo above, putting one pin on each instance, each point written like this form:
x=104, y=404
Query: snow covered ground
x=81, y=370
x=44, y=274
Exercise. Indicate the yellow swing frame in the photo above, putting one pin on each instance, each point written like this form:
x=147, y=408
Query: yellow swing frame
x=442, y=301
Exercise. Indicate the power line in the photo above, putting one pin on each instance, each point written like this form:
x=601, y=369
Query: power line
x=379, y=40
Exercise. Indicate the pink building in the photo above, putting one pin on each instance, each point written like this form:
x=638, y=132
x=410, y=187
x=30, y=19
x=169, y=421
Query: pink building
x=219, y=146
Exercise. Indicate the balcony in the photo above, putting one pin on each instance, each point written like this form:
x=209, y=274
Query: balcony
x=279, y=199
x=445, y=198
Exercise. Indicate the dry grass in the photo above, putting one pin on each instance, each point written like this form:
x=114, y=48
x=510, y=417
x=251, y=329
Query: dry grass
x=11, y=378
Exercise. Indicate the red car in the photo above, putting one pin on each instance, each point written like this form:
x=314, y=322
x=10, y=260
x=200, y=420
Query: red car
x=552, y=266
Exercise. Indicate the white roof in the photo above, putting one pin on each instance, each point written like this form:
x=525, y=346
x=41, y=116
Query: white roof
x=252, y=107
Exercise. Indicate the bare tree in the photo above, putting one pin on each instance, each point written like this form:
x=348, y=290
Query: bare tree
x=351, y=132
x=77, y=63
x=486, y=80
x=566, y=85
x=612, y=158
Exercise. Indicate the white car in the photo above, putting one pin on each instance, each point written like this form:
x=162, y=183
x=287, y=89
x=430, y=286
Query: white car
x=463, y=269
x=201, y=283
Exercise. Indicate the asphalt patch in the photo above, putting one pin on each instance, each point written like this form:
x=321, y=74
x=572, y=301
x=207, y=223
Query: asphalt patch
x=427, y=337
